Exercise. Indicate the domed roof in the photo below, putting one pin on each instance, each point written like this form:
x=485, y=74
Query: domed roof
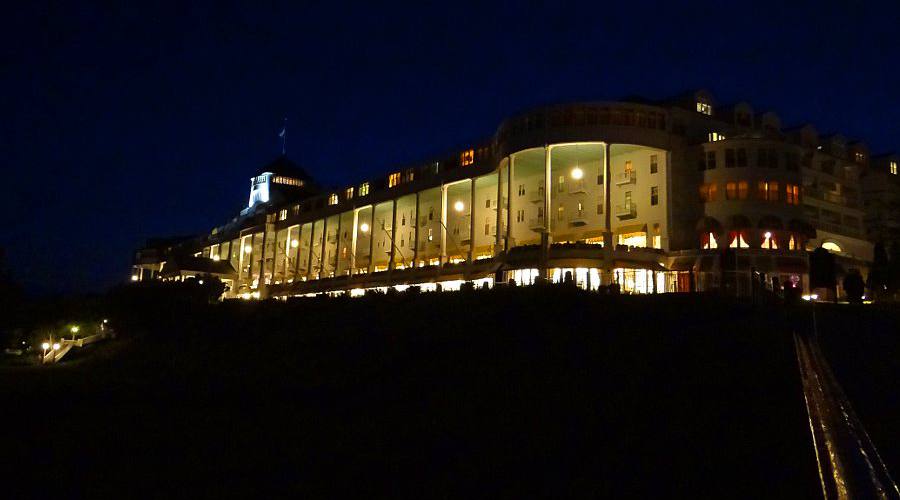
x=284, y=166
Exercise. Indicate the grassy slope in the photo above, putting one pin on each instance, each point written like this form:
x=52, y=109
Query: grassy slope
x=540, y=392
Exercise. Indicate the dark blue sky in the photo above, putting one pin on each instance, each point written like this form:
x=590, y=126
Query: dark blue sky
x=120, y=123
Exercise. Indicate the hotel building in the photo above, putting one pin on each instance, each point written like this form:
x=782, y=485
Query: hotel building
x=670, y=196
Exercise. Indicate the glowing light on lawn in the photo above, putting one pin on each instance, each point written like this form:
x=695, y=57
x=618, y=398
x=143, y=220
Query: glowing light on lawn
x=74, y=329
x=55, y=346
x=45, y=346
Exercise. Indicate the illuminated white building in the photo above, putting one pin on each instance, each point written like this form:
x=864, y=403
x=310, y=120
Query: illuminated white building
x=671, y=196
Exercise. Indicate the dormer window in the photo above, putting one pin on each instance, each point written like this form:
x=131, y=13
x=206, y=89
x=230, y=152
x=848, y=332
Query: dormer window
x=364, y=189
x=893, y=168
x=348, y=193
x=715, y=136
x=467, y=157
x=393, y=179
x=282, y=214
x=409, y=175
x=704, y=107
x=333, y=199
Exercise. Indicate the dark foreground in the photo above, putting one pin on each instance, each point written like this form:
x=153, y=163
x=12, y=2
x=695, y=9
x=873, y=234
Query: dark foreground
x=525, y=392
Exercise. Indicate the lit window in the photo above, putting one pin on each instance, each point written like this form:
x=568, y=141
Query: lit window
x=708, y=192
x=767, y=191
x=894, y=167
x=333, y=199
x=709, y=241
x=743, y=189
x=348, y=193
x=769, y=241
x=738, y=240
x=393, y=179
x=704, y=108
x=731, y=190
x=715, y=136
x=792, y=243
x=654, y=195
x=831, y=246
x=409, y=175
x=467, y=157
x=364, y=189
x=792, y=192
x=282, y=214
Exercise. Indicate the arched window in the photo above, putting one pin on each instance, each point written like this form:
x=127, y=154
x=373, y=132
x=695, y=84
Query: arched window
x=708, y=241
x=831, y=246
x=769, y=241
x=738, y=239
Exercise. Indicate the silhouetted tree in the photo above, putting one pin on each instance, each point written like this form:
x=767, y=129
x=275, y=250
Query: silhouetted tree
x=879, y=275
x=854, y=286
x=894, y=269
x=822, y=273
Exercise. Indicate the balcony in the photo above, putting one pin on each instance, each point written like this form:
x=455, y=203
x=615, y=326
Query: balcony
x=626, y=211
x=537, y=196
x=578, y=219
x=626, y=177
x=536, y=224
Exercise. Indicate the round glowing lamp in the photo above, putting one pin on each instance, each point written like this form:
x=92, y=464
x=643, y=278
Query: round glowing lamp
x=55, y=346
x=459, y=206
x=248, y=249
x=45, y=346
x=294, y=243
x=364, y=227
x=577, y=173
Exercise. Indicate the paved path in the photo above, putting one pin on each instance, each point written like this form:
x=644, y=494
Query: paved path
x=849, y=464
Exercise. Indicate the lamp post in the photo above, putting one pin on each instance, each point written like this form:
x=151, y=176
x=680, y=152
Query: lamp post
x=74, y=330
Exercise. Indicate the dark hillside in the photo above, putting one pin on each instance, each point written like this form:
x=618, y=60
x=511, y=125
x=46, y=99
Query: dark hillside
x=537, y=392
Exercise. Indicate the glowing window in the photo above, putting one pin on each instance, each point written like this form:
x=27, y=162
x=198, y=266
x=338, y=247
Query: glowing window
x=409, y=175
x=709, y=241
x=731, y=190
x=467, y=157
x=716, y=136
x=348, y=193
x=831, y=246
x=364, y=189
x=333, y=199
x=894, y=167
x=704, y=108
x=792, y=243
x=282, y=214
x=637, y=239
x=738, y=239
x=393, y=179
x=769, y=241
x=792, y=192
x=743, y=189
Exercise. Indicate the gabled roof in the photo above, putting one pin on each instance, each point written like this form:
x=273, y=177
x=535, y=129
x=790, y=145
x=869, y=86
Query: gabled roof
x=283, y=166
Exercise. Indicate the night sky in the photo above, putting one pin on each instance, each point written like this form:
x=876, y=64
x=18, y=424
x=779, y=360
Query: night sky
x=122, y=122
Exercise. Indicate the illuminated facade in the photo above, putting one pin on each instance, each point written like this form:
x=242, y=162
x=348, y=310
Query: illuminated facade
x=669, y=196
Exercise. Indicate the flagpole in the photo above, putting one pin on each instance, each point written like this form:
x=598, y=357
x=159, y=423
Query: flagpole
x=284, y=138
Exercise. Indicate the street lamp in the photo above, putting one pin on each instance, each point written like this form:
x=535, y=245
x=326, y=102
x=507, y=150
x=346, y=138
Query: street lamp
x=364, y=227
x=459, y=206
x=45, y=346
x=294, y=243
x=577, y=173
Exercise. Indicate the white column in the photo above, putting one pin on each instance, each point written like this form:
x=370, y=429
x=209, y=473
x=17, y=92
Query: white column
x=443, y=224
